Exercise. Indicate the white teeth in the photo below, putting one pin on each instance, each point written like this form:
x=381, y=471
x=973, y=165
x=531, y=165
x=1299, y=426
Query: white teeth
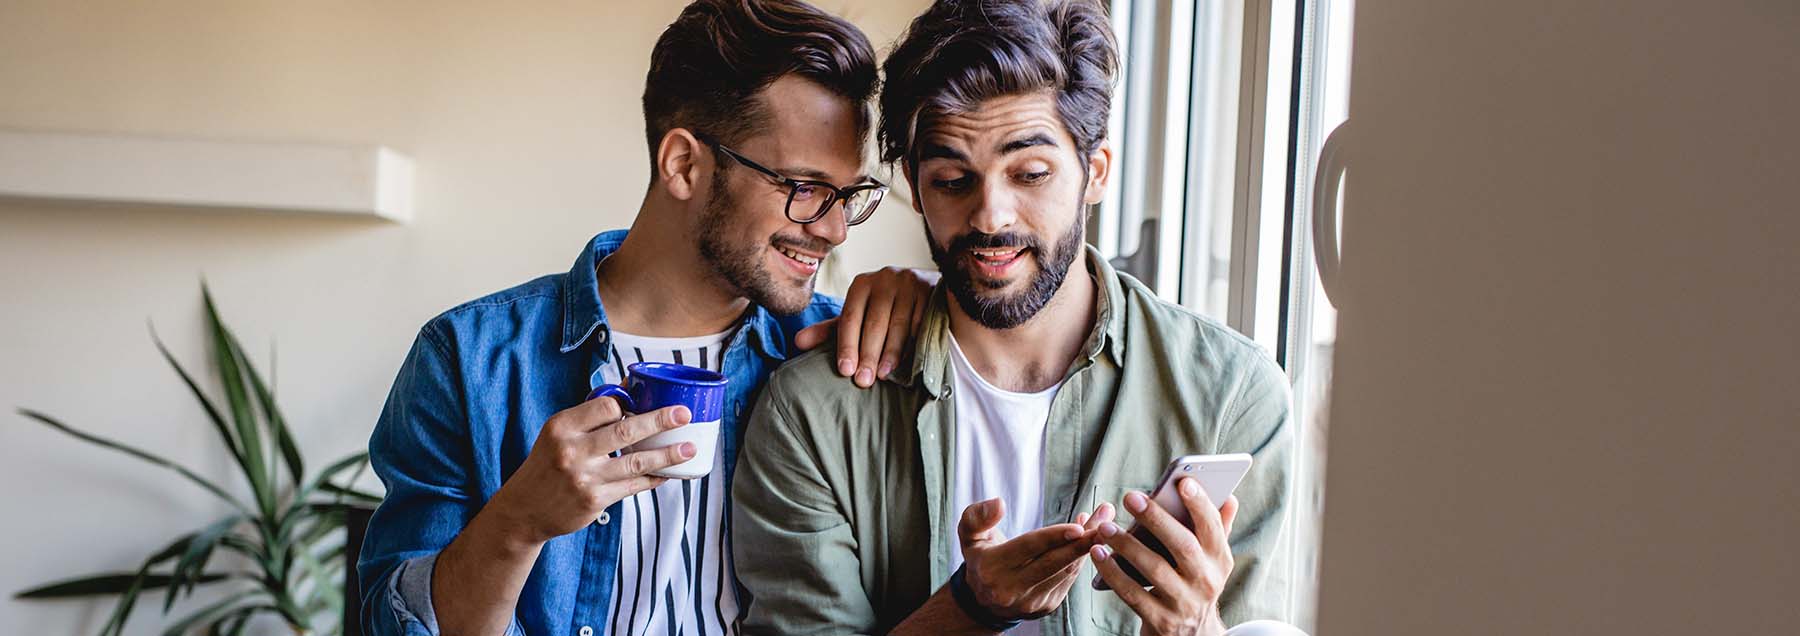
x=1005, y=253
x=808, y=260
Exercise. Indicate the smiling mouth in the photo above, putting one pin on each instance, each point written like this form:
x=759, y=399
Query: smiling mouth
x=998, y=257
x=798, y=256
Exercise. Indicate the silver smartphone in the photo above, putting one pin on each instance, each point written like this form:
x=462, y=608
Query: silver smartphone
x=1218, y=476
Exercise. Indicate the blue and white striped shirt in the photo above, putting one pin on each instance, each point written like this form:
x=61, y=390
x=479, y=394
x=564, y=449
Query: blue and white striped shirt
x=674, y=575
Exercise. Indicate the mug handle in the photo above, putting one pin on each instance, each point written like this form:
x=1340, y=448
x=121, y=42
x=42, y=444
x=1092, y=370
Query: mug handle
x=614, y=391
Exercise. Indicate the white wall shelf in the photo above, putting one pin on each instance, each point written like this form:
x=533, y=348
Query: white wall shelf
x=369, y=181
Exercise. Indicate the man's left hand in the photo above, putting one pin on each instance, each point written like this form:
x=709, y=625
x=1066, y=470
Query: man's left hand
x=1185, y=598
x=875, y=332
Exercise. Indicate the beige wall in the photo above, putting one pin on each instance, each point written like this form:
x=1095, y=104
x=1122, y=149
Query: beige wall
x=524, y=123
x=1566, y=399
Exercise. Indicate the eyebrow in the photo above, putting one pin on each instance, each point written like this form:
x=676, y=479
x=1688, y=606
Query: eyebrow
x=931, y=150
x=808, y=173
x=1036, y=139
x=819, y=175
x=814, y=174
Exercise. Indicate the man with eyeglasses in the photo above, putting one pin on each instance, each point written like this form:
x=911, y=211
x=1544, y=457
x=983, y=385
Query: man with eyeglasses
x=512, y=506
x=982, y=489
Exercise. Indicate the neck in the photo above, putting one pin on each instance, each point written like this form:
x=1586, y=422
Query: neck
x=657, y=285
x=1033, y=356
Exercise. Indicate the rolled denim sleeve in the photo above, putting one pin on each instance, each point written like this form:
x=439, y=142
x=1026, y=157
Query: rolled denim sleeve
x=421, y=450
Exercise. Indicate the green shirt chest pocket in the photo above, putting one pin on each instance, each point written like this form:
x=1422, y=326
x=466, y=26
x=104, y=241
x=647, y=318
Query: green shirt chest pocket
x=1108, y=614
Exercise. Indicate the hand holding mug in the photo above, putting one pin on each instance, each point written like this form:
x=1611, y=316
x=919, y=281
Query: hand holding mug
x=650, y=386
x=570, y=477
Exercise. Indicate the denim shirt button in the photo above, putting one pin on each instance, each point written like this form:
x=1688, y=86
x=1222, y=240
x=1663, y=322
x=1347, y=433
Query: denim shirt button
x=586, y=631
x=605, y=517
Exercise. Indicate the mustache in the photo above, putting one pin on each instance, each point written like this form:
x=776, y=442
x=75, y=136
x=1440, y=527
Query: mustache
x=983, y=240
x=814, y=245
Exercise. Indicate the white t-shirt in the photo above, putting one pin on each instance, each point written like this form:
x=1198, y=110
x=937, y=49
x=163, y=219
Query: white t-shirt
x=675, y=573
x=999, y=453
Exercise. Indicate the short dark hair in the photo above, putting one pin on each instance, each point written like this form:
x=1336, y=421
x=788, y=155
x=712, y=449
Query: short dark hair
x=709, y=65
x=962, y=52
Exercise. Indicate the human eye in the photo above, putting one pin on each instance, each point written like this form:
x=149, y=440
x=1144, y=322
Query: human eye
x=808, y=191
x=952, y=184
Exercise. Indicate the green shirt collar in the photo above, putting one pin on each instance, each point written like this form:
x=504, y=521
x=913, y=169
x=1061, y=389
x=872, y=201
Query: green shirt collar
x=931, y=363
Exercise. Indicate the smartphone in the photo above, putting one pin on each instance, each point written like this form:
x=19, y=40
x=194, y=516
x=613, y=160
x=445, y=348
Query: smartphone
x=1218, y=476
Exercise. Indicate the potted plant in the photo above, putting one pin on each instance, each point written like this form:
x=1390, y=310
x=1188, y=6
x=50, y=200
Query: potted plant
x=288, y=535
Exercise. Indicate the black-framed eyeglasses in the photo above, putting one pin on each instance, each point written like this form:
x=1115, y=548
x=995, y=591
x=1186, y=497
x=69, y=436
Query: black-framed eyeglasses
x=810, y=200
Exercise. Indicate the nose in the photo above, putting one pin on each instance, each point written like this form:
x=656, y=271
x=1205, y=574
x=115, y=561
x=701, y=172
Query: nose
x=995, y=208
x=833, y=227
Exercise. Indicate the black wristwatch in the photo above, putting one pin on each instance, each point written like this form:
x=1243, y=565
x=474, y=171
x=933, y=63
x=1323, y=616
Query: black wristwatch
x=965, y=599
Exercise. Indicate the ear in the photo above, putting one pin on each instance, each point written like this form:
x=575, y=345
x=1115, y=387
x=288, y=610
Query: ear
x=1099, y=171
x=681, y=160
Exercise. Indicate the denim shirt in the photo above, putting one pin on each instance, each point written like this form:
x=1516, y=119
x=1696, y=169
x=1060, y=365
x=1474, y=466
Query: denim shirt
x=479, y=383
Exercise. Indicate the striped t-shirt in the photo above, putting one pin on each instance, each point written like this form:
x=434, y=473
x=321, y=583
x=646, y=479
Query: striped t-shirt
x=674, y=575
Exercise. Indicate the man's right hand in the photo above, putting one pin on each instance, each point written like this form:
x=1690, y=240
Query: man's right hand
x=1027, y=576
x=570, y=477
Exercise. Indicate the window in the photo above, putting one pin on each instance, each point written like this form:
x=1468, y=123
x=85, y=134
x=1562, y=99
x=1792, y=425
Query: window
x=1224, y=109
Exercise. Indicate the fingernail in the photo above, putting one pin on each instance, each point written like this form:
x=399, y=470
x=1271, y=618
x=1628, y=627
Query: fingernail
x=846, y=367
x=680, y=415
x=1136, y=502
x=1188, y=488
x=687, y=450
x=1100, y=552
x=1110, y=530
x=1072, y=534
x=865, y=377
x=886, y=368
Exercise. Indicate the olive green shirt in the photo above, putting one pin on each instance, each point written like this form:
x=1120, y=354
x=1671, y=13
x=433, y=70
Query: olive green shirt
x=842, y=495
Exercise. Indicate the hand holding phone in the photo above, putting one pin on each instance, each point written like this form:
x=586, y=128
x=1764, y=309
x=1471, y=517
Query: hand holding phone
x=1218, y=476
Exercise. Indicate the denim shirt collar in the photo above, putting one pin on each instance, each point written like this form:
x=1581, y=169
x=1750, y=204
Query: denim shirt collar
x=584, y=316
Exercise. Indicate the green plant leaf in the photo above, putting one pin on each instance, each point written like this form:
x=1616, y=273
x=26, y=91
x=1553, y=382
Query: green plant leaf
x=106, y=584
x=120, y=447
x=350, y=493
x=354, y=460
x=256, y=466
x=233, y=622
x=301, y=505
x=212, y=411
x=211, y=613
x=128, y=598
x=324, y=524
x=194, y=559
x=246, y=547
x=284, y=438
x=285, y=606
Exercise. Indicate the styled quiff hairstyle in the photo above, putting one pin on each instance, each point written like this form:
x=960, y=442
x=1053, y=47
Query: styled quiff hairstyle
x=709, y=65
x=960, y=53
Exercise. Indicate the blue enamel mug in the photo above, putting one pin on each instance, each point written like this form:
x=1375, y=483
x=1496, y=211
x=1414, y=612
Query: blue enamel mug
x=653, y=385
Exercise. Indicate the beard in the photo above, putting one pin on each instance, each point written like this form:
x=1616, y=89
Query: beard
x=737, y=259
x=981, y=300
